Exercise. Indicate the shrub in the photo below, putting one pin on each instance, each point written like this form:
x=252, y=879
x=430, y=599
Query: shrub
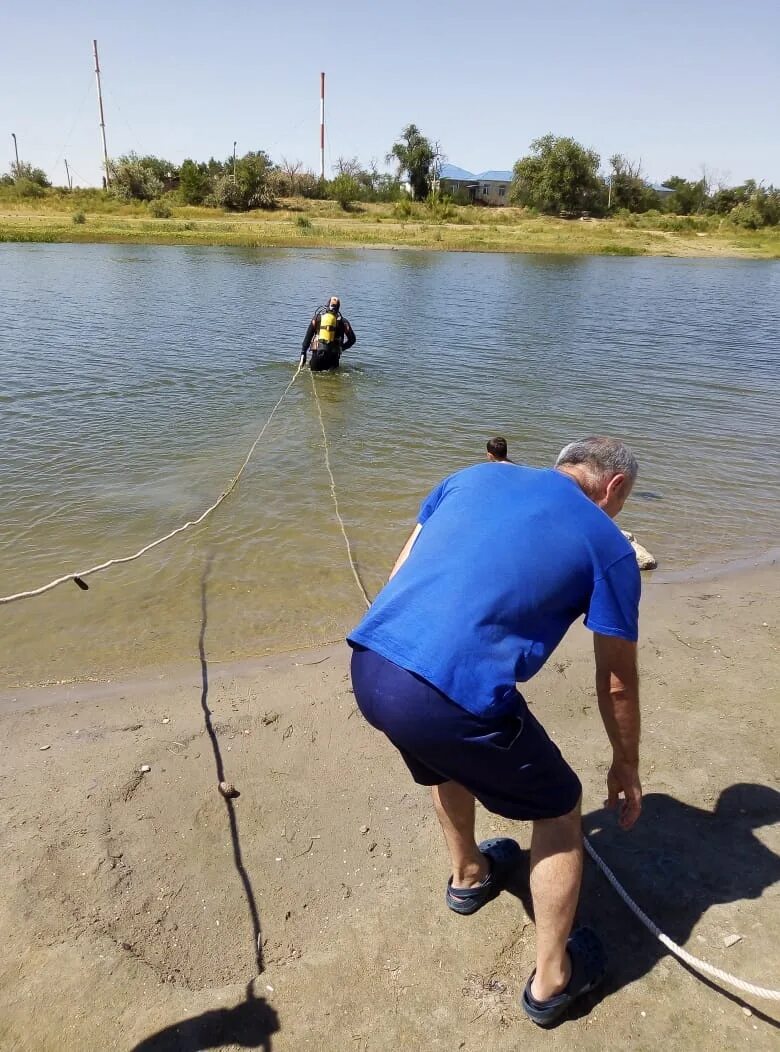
x=24, y=172
x=28, y=188
x=135, y=178
x=747, y=216
x=303, y=222
x=250, y=187
x=78, y=218
x=159, y=209
x=404, y=208
x=308, y=185
x=440, y=207
x=345, y=190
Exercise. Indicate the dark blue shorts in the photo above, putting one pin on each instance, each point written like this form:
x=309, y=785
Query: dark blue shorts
x=508, y=763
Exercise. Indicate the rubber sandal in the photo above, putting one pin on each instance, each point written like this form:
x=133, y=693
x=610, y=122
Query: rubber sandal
x=588, y=969
x=503, y=855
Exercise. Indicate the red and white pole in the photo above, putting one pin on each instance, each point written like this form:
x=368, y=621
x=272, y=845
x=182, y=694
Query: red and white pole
x=322, y=125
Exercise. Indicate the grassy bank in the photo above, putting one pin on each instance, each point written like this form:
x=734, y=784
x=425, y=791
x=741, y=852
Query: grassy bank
x=91, y=216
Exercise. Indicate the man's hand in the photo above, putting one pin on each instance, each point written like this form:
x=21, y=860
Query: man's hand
x=624, y=792
x=617, y=689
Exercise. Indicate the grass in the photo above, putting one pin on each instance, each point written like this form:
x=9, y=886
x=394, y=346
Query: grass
x=323, y=223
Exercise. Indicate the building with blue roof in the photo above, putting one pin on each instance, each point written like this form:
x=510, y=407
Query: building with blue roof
x=487, y=188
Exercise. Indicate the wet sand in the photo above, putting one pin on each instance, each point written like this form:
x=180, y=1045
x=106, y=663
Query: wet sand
x=132, y=904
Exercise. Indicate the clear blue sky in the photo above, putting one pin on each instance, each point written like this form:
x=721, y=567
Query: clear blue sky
x=677, y=83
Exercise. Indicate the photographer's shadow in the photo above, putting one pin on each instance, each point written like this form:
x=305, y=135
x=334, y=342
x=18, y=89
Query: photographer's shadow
x=676, y=863
x=249, y=1024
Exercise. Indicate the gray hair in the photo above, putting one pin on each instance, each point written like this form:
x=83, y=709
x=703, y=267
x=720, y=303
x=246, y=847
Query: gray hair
x=602, y=456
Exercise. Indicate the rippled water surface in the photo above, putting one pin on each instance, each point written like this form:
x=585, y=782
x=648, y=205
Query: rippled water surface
x=134, y=379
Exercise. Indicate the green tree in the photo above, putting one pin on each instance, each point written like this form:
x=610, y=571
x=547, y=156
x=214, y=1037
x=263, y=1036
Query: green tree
x=194, y=182
x=628, y=188
x=688, y=197
x=727, y=198
x=559, y=175
x=766, y=200
x=249, y=188
x=23, y=172
x=135, y=178
x=417, y=157
x=345, y=189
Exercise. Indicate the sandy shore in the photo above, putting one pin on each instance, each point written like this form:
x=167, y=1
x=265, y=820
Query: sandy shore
x=132, y=903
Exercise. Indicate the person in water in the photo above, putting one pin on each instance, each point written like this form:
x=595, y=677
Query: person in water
x=437, y=659
x=328, y=335
x=497, y=450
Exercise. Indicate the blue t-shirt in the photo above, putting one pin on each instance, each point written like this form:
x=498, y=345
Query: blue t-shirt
x=507, y=559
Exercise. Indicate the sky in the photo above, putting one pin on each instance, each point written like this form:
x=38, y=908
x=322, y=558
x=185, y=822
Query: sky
x=676, y=84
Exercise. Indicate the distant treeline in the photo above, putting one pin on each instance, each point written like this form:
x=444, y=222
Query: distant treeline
x=558, y=177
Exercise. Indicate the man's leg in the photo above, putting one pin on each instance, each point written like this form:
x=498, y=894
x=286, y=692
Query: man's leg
x=455, y=810
x=556, y=872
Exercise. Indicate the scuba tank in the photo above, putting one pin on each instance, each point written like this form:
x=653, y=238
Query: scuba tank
x=328, y=328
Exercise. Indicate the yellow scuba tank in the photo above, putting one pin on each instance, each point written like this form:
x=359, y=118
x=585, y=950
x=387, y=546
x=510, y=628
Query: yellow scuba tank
x=328, y=329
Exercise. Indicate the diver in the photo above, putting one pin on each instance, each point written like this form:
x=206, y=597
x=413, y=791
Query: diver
x=328, y=335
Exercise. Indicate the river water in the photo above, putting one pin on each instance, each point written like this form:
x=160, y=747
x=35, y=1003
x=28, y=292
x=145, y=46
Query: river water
x=134, y=379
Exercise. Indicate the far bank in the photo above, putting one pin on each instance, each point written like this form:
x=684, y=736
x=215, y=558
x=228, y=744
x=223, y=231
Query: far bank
x=301, y=223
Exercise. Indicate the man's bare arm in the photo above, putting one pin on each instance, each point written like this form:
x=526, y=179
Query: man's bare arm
x=405, y=551
x=617, y=689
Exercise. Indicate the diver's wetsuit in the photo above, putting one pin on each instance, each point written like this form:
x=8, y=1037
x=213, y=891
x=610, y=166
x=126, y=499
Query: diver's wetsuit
x=326, y=355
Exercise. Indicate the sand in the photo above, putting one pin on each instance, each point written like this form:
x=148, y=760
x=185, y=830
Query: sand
x=132, y=903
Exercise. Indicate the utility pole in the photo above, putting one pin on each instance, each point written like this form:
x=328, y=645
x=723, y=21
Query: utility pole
x=322, y=125
x=16, y=151
x=67, y=172
x=234, y=160
x=107, y=176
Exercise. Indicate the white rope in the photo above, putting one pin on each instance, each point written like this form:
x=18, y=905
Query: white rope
x=160, y=540
x=678, y=951
x=343, y=528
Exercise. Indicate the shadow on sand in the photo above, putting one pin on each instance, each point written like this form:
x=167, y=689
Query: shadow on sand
x=251, y=1023
x=248, y=1025
x=676, y=863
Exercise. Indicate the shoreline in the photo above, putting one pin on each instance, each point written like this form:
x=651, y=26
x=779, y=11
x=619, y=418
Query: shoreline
x=129, y=925
x=306, y=224
x=658, y=587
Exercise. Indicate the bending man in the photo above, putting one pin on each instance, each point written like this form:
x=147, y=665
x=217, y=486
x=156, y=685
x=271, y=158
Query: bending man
x=498, y=567
x=327, y=336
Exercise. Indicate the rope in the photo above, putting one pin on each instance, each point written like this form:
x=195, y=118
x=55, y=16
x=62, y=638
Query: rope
x=343, y=528
x=81, y=574
x=678, y=951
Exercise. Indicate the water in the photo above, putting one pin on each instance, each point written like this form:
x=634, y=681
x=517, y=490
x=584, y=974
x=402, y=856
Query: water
x=134, y=379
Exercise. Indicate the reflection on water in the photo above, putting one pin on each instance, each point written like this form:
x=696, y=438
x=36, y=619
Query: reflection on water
x=135, y=379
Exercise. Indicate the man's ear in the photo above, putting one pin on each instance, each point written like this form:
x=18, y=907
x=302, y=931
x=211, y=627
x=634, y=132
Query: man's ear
x=618, y=486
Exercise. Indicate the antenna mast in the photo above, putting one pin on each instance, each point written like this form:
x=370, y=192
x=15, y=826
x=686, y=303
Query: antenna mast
x=322, y=125
x=107, y=176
